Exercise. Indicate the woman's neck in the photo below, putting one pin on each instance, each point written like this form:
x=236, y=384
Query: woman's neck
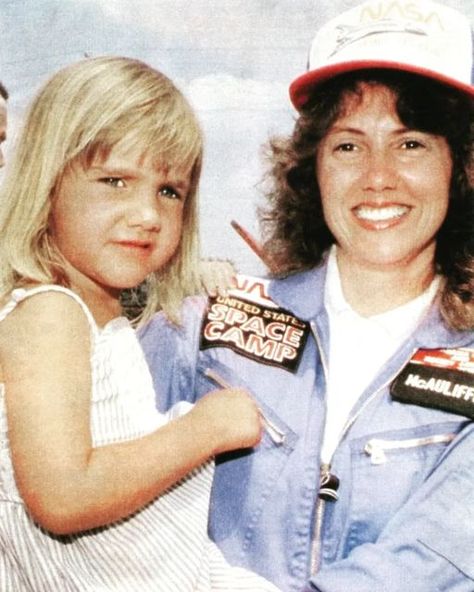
x=375, y=290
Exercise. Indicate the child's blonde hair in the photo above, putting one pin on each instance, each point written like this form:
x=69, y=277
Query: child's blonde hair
x=85, y=110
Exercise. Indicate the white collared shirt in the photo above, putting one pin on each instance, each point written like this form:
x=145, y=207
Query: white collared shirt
x=359, y=347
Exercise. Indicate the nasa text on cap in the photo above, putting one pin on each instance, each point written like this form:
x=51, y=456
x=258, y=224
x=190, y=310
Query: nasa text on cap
x=425, y=37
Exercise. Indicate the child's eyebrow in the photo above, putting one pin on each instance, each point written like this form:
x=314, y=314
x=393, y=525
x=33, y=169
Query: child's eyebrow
x=181, y=184
x=112, y=170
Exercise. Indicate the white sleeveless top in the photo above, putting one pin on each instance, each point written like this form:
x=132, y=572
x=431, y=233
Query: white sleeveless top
x=161, y=548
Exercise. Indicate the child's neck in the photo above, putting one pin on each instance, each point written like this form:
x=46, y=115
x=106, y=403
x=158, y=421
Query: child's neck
x=104, y=311
x=103, y=303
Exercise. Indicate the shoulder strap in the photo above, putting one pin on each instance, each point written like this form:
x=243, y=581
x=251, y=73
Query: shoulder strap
x=21, y=294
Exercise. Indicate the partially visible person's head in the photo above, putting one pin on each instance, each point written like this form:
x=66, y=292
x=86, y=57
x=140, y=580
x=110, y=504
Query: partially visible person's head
x=80, y=115
x=3, y=121
x=344, y=59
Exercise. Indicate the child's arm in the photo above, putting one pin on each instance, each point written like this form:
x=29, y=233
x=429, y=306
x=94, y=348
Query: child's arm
x=66, y=484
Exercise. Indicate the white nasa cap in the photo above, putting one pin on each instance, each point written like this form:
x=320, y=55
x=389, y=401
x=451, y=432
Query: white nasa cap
x=422, y=37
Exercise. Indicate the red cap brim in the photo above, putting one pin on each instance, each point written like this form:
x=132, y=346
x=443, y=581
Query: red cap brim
x=301, y=87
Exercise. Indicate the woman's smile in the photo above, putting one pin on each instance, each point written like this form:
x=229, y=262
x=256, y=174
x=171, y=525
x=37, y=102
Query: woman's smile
x=380, y=217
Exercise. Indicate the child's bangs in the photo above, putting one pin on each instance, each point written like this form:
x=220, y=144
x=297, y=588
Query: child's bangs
x=174, y=139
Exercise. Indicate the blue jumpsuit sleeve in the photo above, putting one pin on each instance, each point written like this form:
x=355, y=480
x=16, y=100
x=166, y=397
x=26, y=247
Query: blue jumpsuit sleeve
x=428, y=546
x=171, y=351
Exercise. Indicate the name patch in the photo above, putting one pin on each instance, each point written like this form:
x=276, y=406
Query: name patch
x=441, y=379
x=251, y=324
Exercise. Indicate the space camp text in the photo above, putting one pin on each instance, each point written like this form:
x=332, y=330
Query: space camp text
x=260, y=331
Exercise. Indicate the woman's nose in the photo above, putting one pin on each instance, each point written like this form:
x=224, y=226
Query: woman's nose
x=379, y=173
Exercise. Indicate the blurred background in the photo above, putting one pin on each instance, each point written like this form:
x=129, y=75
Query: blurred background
x=234, y=59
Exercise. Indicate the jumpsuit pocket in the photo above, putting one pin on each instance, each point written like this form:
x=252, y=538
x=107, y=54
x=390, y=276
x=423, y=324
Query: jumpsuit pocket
x=448, y=531
x=244, y=479
x=379, y=448
x=389, y=467
x=215, y=374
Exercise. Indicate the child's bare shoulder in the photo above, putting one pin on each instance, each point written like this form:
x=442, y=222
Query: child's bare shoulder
x=47, y=312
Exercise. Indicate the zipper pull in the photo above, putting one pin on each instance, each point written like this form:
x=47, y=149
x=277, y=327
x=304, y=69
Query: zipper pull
x=275, y=433
x=376, y=452
x=329, y=485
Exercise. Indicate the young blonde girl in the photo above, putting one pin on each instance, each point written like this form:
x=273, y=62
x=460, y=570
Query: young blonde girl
x=99, y=492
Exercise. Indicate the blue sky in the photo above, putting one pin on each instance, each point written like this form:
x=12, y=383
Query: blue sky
x=234, y=59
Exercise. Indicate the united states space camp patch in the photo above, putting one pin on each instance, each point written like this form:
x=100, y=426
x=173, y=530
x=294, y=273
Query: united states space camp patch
x=438, y=378
x=251, y=324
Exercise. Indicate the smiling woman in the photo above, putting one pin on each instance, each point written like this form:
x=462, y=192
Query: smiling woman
x=369, y=229
x=384, y=190
x=382, y=174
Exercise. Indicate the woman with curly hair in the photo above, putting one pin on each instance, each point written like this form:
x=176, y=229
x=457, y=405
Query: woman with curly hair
x=298, y=232
x=365, y=475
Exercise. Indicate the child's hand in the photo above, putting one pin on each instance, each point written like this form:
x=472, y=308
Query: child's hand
x=217, y=277
x=230, y=419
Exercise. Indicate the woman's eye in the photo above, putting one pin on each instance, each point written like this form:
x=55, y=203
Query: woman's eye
x=346, y=147
x=170, y=192
x=411, y=145
x=114, y=182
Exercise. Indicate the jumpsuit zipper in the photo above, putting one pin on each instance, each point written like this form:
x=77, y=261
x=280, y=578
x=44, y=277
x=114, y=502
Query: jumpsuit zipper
x=316, y=543
x=315, y=555
x=318, y=524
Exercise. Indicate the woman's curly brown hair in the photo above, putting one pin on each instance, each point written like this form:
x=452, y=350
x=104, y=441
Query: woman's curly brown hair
x=296, y=235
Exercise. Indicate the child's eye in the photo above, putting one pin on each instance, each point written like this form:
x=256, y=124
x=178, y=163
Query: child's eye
x=114, y=182
x=170, y=192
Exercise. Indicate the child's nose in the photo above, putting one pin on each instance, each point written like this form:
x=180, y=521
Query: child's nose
x=144, y=211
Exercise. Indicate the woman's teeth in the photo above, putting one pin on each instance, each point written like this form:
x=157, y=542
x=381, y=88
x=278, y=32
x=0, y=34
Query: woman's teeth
x=380, y=214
